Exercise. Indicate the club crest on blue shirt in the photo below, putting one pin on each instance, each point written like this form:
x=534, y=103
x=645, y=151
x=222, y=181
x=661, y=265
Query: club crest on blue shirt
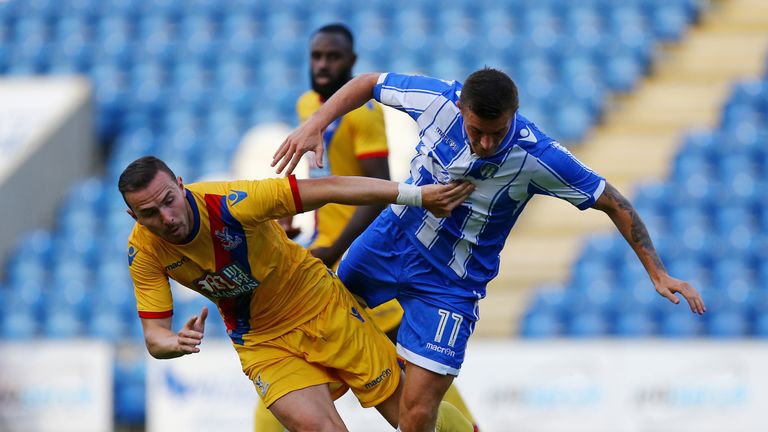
x=488, y=170
x=132, y=252
x=228, y=240
x=483, y=170
x=235, y=196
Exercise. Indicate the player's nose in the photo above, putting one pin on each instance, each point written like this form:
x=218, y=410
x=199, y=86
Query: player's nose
x=486, y=143
x=166, y=216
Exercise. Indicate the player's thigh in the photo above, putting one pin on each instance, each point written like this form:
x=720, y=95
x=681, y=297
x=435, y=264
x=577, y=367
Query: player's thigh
x=278, y=367
x=358, y=352
x=308, y=409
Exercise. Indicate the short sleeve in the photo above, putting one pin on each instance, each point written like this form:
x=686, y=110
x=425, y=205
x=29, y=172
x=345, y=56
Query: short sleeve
x=150, y=284
x=558, y=173
x=258, y=201
x=369, y=135
x=412, y=94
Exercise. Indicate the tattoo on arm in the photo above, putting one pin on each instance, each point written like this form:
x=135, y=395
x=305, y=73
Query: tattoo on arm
x=638, y=231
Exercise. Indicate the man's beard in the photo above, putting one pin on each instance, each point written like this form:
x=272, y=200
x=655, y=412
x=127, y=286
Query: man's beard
x=327, y=90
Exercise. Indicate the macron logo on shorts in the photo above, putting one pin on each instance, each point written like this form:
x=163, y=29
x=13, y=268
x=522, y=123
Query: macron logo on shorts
x=385, y=373
x=355, y=313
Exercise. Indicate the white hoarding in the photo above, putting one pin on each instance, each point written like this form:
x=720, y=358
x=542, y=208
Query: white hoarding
x=552, y=386
x=56, y=386
x=206, y=391
x=615, y=386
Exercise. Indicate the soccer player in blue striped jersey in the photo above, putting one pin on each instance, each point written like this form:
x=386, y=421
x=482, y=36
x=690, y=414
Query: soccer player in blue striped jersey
x=438, y=268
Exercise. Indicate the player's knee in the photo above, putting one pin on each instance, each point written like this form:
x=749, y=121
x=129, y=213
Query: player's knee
x=305, y=422
x=417, y=415
x=309, y=424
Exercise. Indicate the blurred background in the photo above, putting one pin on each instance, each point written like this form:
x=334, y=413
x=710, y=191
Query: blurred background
x=666, y=98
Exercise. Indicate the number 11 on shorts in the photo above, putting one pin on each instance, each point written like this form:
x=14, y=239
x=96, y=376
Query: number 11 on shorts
x=457, y=319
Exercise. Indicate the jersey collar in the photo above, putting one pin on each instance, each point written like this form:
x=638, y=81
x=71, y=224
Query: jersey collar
x=196, y=216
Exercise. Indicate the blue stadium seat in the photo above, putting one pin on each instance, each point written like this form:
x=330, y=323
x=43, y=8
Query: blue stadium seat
x=541, y=325
x=62, y=324
x=692, y=161
x=634, y=323
x=622, y=70
x=669, y=21
x=27, y=269
x=728, y=324
x=589, y=270
x=552, y=299
x=18, y=325
x=106, y=325
x=573, y=121
x=27, y=295
x=588, y=324
x=680, y=323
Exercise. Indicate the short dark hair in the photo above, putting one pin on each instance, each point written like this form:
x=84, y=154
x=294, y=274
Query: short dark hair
x=337, y=28
x=139, y=173
x=489, y=93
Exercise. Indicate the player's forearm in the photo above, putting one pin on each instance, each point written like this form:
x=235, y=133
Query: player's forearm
x=346, y=190
x=352, y=95
x=632, y=228
x=162, y=343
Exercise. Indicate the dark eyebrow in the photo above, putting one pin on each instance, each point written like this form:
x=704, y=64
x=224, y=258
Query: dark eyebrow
x=145, y=209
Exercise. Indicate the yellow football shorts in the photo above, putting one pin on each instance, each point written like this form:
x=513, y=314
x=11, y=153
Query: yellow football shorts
x=341, y=346
x=387, y=315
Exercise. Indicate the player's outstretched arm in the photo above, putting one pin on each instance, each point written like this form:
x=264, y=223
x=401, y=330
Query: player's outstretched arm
x=437, y=198
x=309, y=136
x=631, y=226
x=164, y=343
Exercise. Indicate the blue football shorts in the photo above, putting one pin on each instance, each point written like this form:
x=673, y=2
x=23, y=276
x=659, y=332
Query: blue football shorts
x=439, y=311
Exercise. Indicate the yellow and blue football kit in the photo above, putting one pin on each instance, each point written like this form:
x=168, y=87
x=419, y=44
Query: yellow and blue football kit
x=277, y=301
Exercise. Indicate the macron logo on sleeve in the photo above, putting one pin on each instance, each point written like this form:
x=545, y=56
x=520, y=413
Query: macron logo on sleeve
x=527, y=135
x=132, y=252
x=235, y=196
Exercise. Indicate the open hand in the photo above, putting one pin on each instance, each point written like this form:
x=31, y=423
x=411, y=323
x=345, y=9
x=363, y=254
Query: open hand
x=191, y=335
x=669, y=286
x=302, y=140
x=441, y=199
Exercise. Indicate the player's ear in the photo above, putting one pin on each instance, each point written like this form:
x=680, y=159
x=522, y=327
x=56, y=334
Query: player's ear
x=180, y=182
x=458, y=104
x=131, y=213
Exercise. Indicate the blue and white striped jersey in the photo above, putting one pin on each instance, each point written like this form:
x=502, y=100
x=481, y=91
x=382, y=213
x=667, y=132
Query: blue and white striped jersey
x=527, y=162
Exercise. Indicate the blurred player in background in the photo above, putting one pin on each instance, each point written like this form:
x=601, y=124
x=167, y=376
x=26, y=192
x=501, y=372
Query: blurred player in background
x=355, y=145
x=438, y=268
x=298, y=332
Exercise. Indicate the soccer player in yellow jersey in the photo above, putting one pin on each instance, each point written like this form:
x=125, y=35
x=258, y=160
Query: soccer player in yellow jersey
x=300, y=335
x=355, y=144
